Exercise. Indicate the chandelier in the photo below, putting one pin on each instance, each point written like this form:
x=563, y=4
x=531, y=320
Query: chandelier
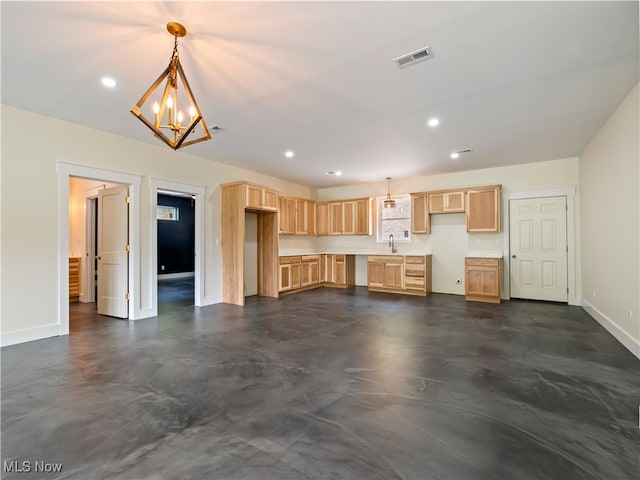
x=389, y=202
x=166, y=113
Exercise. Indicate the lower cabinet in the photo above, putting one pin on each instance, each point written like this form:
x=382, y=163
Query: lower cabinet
x=303, y=272
x=482, y=279
x=409, y=274
x=338, y=270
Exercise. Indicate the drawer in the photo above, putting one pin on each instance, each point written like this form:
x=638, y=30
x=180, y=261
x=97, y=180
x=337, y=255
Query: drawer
x=340, y=258
x=386, y=259
x=414, y=270
x=413, y=259
x=485, y=262
x=310, y=258
x=414, y=283
x=290, y=260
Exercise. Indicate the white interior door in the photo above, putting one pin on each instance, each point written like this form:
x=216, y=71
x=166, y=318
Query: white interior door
x=113, y=255
x=538, y=247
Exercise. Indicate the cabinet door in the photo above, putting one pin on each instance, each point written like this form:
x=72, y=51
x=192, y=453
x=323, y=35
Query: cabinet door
x=339, y=269
x=296, y=270
x=285, y=277
x=393, y=275
x=364, y=217
x=305, y=274
x=436, y=203
x=335, y=218
x=348, y=218
x=322, y=218
x=483, y=210
x=482, y=281
x=310, y=207
x=270, y=199
x=420, y=214
x=314, y=273
x=286, y=215
x=301, y=217
x=375, y=274
x=454, y=202
x=254, y=196
x=329, y=276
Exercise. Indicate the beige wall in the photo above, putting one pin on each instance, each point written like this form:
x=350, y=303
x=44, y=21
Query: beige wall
x=32, y=146
x=609, y=186
x=449, y=242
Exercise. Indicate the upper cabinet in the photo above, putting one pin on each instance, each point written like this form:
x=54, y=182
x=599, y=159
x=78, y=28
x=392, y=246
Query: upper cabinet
x=446, y=202
x=420, y=213
x=350, y=217
x=286, y=214
x=261, y=198
x=483, y=209
x=297, y=216
x=481, y=205
x=305, y=217
x=322, y=218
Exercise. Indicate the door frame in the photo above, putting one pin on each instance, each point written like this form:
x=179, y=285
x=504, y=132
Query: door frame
x=65, y=171
x=569, y=193
x=198, y=194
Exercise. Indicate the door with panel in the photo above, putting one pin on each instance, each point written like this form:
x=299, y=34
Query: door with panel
x=538, y=247
x=113, y=251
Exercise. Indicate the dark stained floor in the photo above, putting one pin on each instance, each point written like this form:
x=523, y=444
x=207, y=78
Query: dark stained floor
x=326, y=384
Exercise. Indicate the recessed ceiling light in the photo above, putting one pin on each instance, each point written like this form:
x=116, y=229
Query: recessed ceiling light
x=108, y=82
x=338, y=173
x=289, y=154
x=331, y=172
x=433, y=122
x=455, y=155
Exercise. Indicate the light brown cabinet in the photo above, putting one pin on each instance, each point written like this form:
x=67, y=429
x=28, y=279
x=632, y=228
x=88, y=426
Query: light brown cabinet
x=260, y=197
x=286, y=215
x=399, y=274
x=74, y=279
x=482, y=279
x=338, y=270
x=299, y=272
x=322, y=218
x=350, y=217
x=483, y=209
x=237, y=198
x=420, y=220
x=446, y=202
x=297, y=216
x=364, y=216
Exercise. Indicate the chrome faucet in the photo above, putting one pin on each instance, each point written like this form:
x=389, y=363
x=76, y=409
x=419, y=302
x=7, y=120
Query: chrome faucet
x=392, y=244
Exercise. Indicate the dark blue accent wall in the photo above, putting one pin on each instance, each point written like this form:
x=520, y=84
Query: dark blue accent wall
x=176, y=239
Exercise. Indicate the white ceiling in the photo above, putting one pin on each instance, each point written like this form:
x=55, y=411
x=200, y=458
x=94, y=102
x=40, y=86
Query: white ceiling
x=516, y=82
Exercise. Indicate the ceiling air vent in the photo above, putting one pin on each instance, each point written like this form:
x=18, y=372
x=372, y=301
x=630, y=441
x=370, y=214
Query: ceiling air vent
x=413, y=57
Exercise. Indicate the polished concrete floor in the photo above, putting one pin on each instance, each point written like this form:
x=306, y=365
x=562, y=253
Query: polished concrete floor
x=326, y=384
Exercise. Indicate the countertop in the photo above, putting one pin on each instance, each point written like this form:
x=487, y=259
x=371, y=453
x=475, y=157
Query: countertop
x=484, y=254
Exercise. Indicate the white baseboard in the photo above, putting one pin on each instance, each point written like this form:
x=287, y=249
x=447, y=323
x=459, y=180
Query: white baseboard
x=168, y=276
x=212, y=300
x=29, y=335
x=623, y=337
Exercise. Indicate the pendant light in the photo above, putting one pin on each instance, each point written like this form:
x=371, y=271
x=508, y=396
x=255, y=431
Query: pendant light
x=167, y=113
x=389, y=202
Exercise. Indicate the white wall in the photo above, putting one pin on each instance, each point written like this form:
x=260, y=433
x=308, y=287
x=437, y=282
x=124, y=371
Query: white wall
x=609, y=186
x=32, y=146
x=449, y=242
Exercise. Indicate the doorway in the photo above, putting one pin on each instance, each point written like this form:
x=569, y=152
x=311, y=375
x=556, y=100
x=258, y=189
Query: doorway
x=250, y=254
x=175, y=219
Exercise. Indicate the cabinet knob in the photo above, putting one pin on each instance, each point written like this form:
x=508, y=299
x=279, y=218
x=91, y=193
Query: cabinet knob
x=513, y=256
x=98, y=257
